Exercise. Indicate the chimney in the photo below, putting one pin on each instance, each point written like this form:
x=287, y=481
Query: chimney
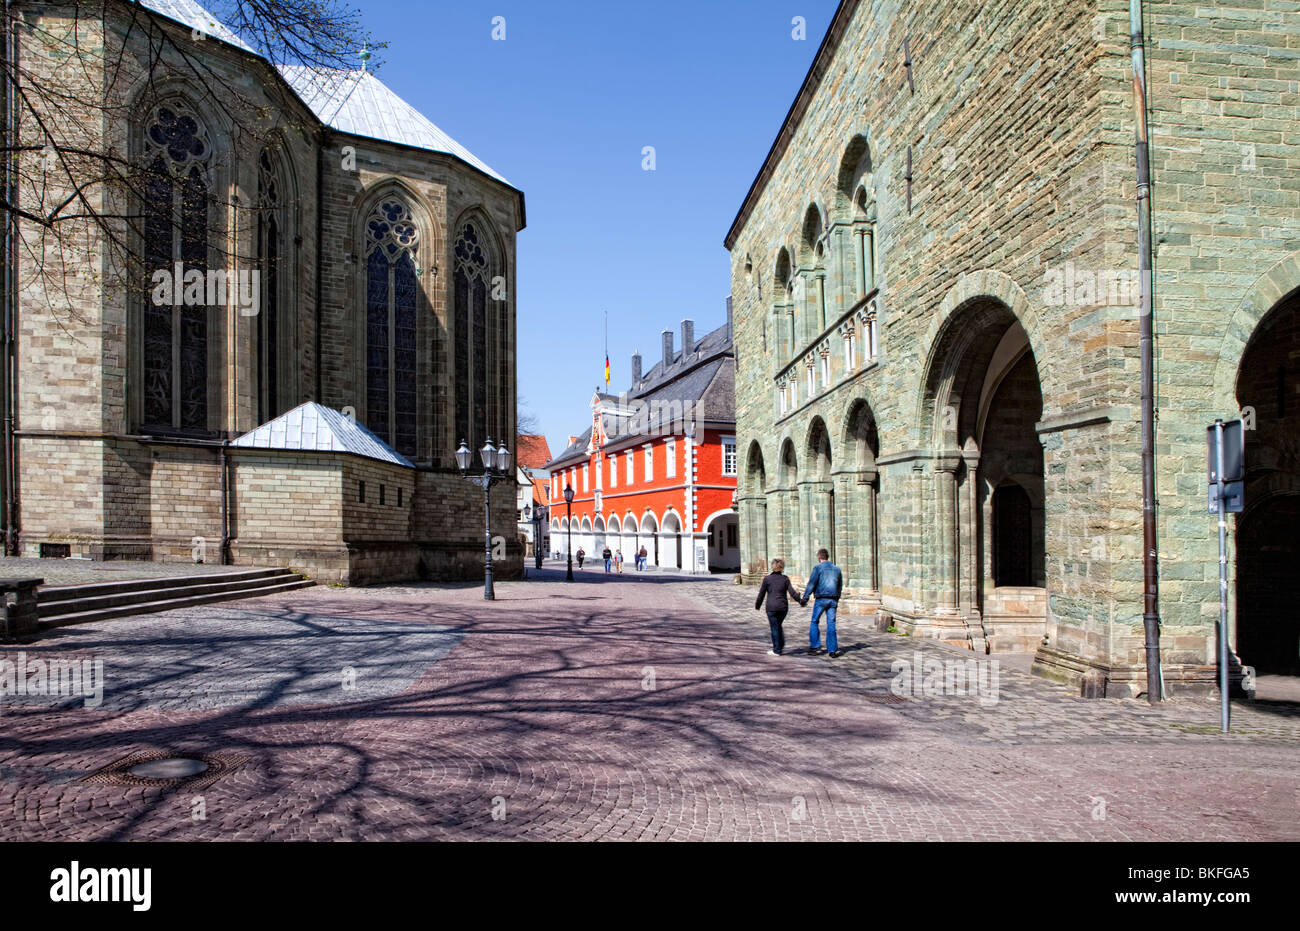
x=636, y=366
x=668, y=347
x=688, y=336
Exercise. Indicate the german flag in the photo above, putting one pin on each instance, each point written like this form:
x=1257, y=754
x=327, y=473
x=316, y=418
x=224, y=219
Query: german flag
x=607, y=370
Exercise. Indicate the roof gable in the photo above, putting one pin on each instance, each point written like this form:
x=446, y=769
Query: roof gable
x=315, y=428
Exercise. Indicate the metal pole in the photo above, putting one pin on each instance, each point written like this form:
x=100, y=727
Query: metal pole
x=1223, y=579
x=568, y=506
x=488, y=593
x=1150, y=572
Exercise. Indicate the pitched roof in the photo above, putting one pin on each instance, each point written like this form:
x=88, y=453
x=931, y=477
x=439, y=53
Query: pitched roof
x=316, y=428
x=189, y=13
x=532, y=451
x=358, y=103
x=354, y=102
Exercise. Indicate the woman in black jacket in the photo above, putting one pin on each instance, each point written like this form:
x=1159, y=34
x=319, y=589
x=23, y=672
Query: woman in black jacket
x=775, y=587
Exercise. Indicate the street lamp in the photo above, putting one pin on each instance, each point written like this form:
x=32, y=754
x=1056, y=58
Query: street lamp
x=496, y=463
x=536, y=516
x=568, y=503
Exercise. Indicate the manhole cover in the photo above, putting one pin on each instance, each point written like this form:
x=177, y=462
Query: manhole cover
x=160, y=768
x=176, y=767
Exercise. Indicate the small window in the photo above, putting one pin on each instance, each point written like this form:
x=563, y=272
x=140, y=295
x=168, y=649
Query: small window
x=381, y=493
x=613, y=471
x=585, y=474
x=670, y=457
x=362, y=495
x=649, y=464
x=729, y=455
x=56, y=550
x=399, y=497
x=629, y=462
x=733, y=531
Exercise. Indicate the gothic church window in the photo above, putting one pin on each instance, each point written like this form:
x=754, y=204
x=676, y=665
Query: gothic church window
x=392, y=293
x=269, y=251
x=481, y=402
x=175, y=226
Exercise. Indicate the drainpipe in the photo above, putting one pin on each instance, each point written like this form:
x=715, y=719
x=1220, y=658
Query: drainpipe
x=225, y=505
x=1150, y=576
x=9, y=366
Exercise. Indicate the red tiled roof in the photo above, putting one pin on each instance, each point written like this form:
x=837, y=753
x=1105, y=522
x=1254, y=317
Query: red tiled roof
x=532, y=452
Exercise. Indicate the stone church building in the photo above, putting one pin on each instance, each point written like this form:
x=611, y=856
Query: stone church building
x=377, y=333
x=934, y=281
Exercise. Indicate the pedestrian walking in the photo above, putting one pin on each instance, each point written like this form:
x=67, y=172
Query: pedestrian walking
x=618, y=560
x=641, y=558
x=582, y=554
x=824, y=585
x=776, y=587
x=608, y=557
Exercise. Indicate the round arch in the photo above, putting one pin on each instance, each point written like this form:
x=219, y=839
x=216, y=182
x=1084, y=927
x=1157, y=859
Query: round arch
x=1267, y=292
x=817, y=451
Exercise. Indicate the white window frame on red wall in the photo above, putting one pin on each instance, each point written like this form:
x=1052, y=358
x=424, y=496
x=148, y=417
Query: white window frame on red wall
x=670, y=458
x=728, y=441
x=649, y=462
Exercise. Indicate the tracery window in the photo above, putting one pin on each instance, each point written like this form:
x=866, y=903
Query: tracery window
x=392, y=293
x=475, y=407
x=175, y=225
x=267, y=324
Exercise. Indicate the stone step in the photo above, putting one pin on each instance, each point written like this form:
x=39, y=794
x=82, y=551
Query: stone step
x=198, y=585
x=172, y=603
x=50, y=594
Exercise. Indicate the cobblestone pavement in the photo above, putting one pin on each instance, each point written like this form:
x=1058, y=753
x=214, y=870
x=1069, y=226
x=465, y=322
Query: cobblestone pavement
x=615, y=708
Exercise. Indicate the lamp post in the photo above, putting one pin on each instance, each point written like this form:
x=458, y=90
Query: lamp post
x=568, y=504
x=496, y=465
x=537, y=516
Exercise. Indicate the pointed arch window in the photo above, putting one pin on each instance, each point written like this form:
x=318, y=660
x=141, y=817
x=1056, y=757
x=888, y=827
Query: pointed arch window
x=175, y=228
x=474, y=332
x=392, y=292
x=269, y=252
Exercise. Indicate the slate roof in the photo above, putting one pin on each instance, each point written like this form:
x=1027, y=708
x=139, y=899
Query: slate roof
x=358, y=103
x=353, y=102
x=316, y=428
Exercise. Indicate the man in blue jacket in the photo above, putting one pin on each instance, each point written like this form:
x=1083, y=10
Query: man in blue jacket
x=824, y=584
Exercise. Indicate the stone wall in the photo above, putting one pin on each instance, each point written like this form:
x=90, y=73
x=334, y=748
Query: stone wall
x=1020, y=130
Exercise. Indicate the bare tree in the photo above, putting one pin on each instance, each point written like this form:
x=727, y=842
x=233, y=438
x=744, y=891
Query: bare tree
x=74, y=77
x=526, y=422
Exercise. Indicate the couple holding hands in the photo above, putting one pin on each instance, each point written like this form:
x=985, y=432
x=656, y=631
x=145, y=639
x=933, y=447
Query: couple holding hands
x=824, y=587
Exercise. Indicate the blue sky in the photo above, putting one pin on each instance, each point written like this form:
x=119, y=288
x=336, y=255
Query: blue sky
x=562, y=108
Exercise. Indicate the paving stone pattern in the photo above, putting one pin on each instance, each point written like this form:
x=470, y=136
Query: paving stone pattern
x=621, y=708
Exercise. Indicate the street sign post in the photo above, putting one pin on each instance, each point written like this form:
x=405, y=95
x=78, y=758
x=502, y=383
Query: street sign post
x=1226, y=470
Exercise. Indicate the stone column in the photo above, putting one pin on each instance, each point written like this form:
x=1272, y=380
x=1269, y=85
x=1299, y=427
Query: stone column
x=868, y=261
x=759, y=536
x=945, y=474
x=859, y=241
x=820, y=293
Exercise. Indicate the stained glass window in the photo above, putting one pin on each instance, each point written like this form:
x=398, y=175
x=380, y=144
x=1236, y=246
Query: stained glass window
x=176, y=216
x=477, y=414
x=392, y=294
x=268, y=318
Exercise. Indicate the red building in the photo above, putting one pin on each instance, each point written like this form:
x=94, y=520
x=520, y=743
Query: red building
x=657, y=465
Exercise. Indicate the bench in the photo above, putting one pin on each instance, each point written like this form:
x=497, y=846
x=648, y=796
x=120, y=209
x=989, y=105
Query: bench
x=21, y=620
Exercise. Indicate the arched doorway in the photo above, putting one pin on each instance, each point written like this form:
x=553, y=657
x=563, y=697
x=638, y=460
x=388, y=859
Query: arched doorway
x=650, y=537
x=789, y=539
x=753, y=504
x=672, y=541
x=723, y=542
x=985, y=541
x=1268, y=532
x=857, y=491
x=817, y=495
